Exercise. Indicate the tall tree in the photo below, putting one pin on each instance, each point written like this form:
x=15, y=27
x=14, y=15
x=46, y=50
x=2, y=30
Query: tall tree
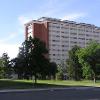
x=20, y=64
x=89, y=57
x=74, y=68
x=31, y=59
x=37, y=52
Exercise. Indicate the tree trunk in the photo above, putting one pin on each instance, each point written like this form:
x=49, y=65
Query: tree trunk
x=35, y=79
x=94, y=78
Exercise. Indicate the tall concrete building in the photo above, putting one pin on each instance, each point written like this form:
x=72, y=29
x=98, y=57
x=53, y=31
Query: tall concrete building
x=61, y=35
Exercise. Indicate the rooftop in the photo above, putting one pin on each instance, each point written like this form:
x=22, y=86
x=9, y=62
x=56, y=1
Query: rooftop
x=49, y=19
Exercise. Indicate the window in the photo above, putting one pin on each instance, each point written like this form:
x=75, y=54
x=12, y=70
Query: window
x=53, y=54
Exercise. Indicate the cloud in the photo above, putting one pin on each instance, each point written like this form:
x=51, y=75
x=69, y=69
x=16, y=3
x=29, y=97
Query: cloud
x=74, y=16
x=11, y=49
x=48, y=8
x=23, y=19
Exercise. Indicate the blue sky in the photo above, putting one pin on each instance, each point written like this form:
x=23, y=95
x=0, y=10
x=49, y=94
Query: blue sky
x=14, y=13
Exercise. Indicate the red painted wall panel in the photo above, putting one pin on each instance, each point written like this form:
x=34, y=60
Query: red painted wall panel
x=40, y=30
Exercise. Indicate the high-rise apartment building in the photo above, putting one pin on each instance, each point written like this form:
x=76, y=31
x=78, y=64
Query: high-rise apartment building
x=61, y=35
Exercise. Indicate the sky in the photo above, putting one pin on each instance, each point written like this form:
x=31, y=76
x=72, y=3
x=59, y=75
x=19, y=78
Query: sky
x=15, y=13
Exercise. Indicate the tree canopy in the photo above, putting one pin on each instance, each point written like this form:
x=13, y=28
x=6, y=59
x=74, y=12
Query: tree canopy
x=89, y=57
x=74, y=68
x=32, y=60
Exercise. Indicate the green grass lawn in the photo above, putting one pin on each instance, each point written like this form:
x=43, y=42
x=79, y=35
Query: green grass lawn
x=71, y=83
x=28, y=84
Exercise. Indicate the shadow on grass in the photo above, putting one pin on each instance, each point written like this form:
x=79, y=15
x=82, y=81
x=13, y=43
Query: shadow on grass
x=10, y=84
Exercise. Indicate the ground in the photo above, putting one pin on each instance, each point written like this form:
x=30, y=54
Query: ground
x=49, y=90
x=57, y=94
x=28, y=84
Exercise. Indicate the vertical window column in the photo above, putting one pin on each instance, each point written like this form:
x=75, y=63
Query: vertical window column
x=69, y=36
x=60, y=42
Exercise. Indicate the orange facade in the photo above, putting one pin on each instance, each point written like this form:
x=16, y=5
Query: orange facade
x=40, y=30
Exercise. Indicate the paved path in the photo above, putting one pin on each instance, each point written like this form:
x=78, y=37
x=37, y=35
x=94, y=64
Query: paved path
x=79, y=93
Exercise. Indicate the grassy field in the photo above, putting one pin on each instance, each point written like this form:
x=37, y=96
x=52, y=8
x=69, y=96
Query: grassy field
x=28, y=84
x=71, y=83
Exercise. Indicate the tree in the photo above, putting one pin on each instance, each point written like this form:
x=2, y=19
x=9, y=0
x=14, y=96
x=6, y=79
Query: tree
x=89, y=57
x=6, y=65
x=44, y=68
x=31, y=60
x=74, y=68
x=53, y=69
x=62, y=71
x=1, y=68
x=18, y=67
x=37, y=54
x=19, y=64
